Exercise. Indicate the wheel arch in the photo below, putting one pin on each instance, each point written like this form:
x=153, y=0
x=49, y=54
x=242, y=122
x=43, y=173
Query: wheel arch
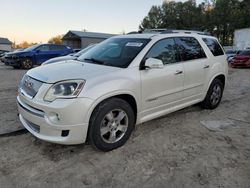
x=127, y=96
x=220, y=76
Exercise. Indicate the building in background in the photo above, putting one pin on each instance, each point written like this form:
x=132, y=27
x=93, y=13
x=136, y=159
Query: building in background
x=5, y=44
x=82, y=39
x=242, y=39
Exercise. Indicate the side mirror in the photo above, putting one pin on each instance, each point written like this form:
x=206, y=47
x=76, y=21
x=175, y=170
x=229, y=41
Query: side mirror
x=37, y=51
x=153, y=63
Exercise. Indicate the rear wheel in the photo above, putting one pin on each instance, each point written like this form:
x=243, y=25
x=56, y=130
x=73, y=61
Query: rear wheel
x=111, y=124
x=27, y=63
x=214, y=95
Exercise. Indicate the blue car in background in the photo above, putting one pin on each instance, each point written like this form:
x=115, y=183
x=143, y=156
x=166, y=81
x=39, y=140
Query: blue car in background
x=36, y=55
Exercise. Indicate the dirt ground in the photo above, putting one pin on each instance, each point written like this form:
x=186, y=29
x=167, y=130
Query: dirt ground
x=174, y=151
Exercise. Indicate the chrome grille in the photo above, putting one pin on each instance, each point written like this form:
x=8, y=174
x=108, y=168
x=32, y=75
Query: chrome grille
x=29, y=86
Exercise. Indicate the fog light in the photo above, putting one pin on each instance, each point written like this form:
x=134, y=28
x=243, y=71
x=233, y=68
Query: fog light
x=53, y=117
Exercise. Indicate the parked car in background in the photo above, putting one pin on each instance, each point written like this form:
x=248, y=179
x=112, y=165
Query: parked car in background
x=123, y=81
x=76, y=50
x=2, y=54
x=68, y=57
x=35, y=55
x=2, y=57
x=241, y=60
x=230, y=53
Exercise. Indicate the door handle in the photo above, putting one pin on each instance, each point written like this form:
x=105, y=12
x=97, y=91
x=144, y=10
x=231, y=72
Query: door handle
x=206, y=66
x=178, y=72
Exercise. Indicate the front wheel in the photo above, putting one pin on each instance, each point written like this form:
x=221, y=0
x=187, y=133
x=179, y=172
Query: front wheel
x=111, y=124
x=214, y=95
x=27, y=63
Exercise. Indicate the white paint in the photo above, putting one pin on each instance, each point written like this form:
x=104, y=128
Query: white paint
x=242, y=38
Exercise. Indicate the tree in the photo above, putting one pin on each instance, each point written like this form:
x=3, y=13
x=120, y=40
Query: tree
x=56, y=40
x=23, y=44
x=153, y=20
x=219, y=17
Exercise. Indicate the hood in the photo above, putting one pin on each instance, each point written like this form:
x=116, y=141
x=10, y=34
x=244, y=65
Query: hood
x=242, y=57
x=68, y=70
x=16, y=53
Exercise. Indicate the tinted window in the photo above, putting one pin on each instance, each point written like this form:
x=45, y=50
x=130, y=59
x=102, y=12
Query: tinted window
x=189, y=48
x=164, y=50
x=230, y=52
x=56, y=47
x=117, y=52
x=43, y=48
x=214, y=46
x=61, y=47
x=245, y=53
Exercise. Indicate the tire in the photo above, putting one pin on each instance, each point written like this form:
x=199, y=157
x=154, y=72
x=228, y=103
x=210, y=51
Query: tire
x=214, y=95
x=27, y=63
x=111, y=124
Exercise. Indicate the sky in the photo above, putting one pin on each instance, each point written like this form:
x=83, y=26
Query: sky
x=39, y=20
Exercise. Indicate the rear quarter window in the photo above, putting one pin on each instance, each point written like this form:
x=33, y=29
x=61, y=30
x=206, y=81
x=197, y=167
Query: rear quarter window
x=214, y=46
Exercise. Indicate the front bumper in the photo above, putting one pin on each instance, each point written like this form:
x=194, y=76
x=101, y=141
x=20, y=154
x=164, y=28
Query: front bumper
x=63, y=121
x=12, y=62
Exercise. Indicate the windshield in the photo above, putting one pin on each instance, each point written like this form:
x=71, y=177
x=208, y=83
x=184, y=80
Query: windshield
x=31, y=48
x=245, y=53
x=117, y=52
x=78, y=54
x=230, y=52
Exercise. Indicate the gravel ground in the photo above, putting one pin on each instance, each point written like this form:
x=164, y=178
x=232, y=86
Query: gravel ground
x=174, y=151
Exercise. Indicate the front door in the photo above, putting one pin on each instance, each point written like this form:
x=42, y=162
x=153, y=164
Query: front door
x=162, y=88
x=42, y=54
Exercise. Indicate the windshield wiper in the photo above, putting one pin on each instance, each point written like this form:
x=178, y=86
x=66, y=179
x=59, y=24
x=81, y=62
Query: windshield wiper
x=94, y=61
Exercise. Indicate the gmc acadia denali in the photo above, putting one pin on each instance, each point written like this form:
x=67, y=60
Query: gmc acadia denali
x=123, y=81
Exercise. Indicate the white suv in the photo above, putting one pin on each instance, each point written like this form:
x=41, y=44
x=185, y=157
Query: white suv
x=123, y=81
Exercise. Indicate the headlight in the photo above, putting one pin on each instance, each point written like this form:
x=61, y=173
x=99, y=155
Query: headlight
x=64, y=89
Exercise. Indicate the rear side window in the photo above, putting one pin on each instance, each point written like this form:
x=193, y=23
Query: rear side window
x=189, y=48
x=214, y=46
x=56, y=47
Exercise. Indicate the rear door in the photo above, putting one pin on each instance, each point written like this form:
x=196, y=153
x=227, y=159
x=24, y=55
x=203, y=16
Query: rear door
x=195, y=65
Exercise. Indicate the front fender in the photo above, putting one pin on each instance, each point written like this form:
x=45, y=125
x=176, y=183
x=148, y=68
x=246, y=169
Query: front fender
x=107, y=96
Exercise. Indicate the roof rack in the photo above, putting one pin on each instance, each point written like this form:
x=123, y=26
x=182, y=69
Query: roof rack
x=169, y=31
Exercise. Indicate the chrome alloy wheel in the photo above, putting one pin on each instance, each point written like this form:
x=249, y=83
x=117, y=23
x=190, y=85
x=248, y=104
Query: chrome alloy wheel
x=216, y=94
x=114, y=126
x=27, y=64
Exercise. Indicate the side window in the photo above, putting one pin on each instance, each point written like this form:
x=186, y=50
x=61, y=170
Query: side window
x=189, y=48
x=55, y=47
x=164, y=50
x=214, y=46
x=43, y=48
x=60, y=47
